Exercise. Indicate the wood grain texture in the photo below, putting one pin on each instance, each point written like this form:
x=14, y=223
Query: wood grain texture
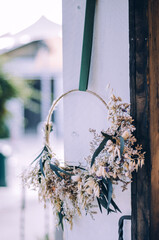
x=139, y=97
x=154, y=113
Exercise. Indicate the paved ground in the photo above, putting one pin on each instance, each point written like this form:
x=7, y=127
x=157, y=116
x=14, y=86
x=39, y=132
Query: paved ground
x=34, y=222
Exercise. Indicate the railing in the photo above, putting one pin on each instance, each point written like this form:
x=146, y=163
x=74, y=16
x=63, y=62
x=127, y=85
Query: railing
x=120, y=224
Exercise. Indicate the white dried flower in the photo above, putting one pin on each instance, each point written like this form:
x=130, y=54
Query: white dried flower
x=142, y=162
x=118, y=161
x=96, y=190
x=134, y=164
x=101, y=172
x=125, y=135
x=111, y=173
x=76, y=178
x=126, y=155
x=120, y=176
x=114, y=174
x=89, y=190
x=127, y=174
x=90, y=182
x=80, y=196
x=79, y=186
x=110, y=149
x=93, y=168
x=117, y=151
x=109, y=143
x=137, y=166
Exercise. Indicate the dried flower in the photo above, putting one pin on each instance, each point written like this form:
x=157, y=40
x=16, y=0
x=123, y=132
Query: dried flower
x=76, y=178
x=101, y=172
x=89, y=190
x=73, y=189
x=96, y=190
x=125, y=135
x=109, y=143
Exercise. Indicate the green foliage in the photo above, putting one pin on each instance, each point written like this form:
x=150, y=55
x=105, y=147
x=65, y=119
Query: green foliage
x=11, y=87
x=121, y=145
x=101, y=146
x=7, y=91
x=46, y=237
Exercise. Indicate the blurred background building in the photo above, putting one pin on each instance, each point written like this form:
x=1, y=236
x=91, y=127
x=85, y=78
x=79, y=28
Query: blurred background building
x=35, y=55
x=33, y=59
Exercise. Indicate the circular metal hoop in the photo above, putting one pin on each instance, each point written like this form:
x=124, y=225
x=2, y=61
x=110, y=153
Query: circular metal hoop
x=48, y=124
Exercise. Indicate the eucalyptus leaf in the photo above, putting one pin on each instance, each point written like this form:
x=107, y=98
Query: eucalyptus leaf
x=60, y=215
x=61, y=170
x=104, y=189
x=104, y=184
x=42, y=167
x=53, y=167
x=37, y=156
x=78, y=167
x=110, y=210
x=115, y=206
x=109, y=136
x=71, y=168
x=44, y=149
x=104, y=180
x=101, y=147
x=103, y=201
x=121, y=145
x=110, y=191
x=58, y=174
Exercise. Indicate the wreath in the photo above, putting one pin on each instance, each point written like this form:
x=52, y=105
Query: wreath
x=114, y=155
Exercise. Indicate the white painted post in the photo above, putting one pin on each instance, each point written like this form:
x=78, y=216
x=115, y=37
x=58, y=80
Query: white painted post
x=110, y=64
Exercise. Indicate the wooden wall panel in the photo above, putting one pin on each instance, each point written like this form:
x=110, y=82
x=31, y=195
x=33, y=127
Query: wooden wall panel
x=154, y=113
x=139, y=98
x=144, y=91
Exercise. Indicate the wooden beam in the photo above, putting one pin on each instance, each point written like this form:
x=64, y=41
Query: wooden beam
x=153, y=14
x=139, y=98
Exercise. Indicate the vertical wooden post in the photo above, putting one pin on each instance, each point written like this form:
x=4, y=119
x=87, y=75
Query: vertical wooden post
x=139, y=97
x=144, y=84
x=153, y=13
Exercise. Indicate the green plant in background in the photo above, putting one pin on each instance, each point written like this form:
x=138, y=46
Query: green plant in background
x=11, y=87
x=46, y=237
x=7, y=91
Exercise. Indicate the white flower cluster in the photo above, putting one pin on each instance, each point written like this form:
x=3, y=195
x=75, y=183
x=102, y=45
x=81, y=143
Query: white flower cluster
x=119, y=158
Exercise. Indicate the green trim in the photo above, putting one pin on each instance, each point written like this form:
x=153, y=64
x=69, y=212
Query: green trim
x=87, y=44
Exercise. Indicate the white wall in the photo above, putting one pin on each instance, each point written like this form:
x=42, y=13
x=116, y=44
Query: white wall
x=110, y=64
